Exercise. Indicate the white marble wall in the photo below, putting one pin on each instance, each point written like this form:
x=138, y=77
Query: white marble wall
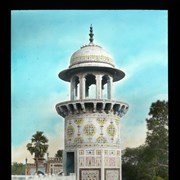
x=92, y=130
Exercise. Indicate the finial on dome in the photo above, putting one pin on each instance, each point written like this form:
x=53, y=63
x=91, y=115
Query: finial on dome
x=91, y=34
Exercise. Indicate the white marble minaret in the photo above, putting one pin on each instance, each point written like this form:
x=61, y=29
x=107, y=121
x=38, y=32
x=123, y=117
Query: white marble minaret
x=92, y=117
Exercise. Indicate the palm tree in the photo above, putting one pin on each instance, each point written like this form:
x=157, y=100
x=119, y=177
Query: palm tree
x=38, y=147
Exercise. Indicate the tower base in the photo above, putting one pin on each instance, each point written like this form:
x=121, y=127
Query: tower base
x=93, y=163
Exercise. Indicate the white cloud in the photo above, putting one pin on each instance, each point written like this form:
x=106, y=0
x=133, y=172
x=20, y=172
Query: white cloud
x=143, y=60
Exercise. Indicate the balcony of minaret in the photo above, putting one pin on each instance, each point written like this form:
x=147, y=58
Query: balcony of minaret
x=92, y=106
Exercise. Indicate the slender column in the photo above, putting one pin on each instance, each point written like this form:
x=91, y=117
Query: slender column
x=87, y=91
x=120, y=166
x=75, y=89
x=102, y=164
x=77, y=164
x=109, y=88
x=98, y=86
x=72, y=89
x=64, y=162
x=82, y=88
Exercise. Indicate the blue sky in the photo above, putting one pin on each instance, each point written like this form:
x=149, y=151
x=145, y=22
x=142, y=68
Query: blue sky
x=42, y=42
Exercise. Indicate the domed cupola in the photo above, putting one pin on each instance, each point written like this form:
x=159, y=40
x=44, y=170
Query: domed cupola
x=91, y=56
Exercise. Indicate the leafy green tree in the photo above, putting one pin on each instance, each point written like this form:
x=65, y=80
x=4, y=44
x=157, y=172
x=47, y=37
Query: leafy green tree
x=17, y=169
x=150, y=161
x=38, y=147
x=135, y=164
x=59, y=153
x=129, y=164
x=157, y=137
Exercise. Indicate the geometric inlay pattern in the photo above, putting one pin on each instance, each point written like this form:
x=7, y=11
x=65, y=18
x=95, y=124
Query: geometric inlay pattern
x=101, y=139
x=117, y=120
x=78, y=140
x=112, y=161
x=90, y=161
x=112, y=174
x=78, y=121
x=92, y=130
x=101, y=121
x=90, y=174
x=89, y=130
x=70, y=131
x=111, y=130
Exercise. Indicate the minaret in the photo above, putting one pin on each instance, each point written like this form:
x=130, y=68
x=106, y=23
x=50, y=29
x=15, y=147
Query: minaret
x=92, y=117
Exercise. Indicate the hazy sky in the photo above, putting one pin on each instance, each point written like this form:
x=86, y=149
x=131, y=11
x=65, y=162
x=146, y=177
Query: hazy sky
x=42, y=42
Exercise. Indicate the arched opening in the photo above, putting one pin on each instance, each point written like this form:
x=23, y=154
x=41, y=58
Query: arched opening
x=90, y=87
x=116, y=108
x=107, y=107
x=106, y=87
x=75, y=88
x=89, y=107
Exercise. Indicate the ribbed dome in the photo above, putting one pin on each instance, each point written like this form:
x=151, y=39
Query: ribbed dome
x=91, y=55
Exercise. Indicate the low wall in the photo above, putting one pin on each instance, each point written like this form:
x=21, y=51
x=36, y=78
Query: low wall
x=23, y=177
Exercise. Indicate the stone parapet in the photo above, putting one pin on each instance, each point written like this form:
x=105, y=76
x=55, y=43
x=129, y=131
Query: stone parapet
x=92, y=106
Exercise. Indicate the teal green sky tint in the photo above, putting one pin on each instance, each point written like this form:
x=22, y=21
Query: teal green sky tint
x=42, y=42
